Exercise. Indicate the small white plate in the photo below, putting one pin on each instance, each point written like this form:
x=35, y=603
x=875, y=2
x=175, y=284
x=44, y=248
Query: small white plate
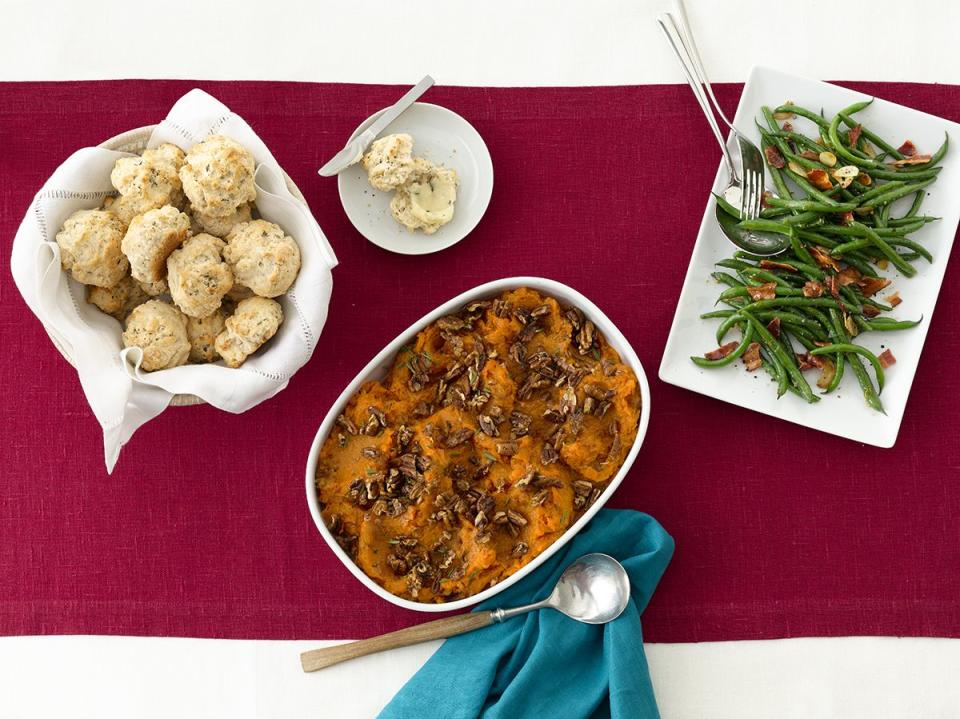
x=444, y=138
x=843, y=412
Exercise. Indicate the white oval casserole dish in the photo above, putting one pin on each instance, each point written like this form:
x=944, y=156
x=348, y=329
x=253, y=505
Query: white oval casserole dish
x=381, y=364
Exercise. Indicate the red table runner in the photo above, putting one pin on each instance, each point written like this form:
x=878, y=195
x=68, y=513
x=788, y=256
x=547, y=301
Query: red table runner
x=203, y=530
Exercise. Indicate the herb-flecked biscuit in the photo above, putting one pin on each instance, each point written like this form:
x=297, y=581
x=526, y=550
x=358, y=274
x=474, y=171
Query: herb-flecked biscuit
x=150, y=239
x=217, y=176
x=254, y=322
x=262, y=257
x=160, y=331
x=148, y=181
x=119, y=300
x=389, y=161
x=202, y=333
x=220, y=226
x=90, y=248
x=197, y=275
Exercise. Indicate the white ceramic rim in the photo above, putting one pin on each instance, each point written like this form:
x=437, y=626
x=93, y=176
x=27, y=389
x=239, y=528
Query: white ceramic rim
x=442, y=243
x=560, y=291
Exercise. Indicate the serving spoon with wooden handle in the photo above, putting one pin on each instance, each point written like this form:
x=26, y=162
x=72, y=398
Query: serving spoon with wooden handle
x=594, y=589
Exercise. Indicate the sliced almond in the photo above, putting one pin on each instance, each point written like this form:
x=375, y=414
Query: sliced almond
x=796, y=168
x=864, y=179
x=845, y=175
x=868, y=150
x=828, y=158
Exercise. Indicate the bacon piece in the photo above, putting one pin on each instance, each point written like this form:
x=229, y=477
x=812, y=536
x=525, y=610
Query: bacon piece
x=886, y=358
x=870, y=311
x=805, y=361
x=813, y=289
x=721, y=352
x=819, y=179
x=774, y=327
x=907, y=149
x=845, y=218
x=848, y=276
x=915, y=160
x=774, y=158
x=870, y=286
x=787, y=127
x=764, y=199
x=823, y=258
x=766, y=291
x=854, y=134
x=893, y=300
x=772, y=265
x=809, y=155
x=751, y=358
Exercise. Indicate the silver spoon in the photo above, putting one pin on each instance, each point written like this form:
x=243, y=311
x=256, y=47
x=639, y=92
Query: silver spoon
x=594, y=589
x=746, y=194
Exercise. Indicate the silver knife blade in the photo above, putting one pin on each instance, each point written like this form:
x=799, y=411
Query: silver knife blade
x=354, y=149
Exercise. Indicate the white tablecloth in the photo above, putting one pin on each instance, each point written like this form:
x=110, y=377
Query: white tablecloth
x=499, y=42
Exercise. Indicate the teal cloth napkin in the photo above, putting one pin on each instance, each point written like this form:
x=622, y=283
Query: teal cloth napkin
x=545, y=664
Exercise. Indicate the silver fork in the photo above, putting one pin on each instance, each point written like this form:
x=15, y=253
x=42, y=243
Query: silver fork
x=751, y=160
x=748, y=193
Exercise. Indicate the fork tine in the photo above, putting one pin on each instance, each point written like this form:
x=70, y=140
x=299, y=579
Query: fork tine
x=745, y=196
x=758, y=195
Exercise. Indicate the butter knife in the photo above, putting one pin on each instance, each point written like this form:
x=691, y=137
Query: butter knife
x=354, y=150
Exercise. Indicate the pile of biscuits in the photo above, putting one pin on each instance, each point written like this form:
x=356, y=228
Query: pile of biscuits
x=179, y=258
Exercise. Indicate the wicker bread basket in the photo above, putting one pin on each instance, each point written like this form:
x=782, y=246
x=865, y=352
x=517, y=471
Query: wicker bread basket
x=136, y=141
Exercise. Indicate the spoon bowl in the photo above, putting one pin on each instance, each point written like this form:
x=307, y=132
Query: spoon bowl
x=595, y=589
x=765, y=244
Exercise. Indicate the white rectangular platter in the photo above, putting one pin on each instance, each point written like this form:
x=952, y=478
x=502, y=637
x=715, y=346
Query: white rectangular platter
x=843, y=412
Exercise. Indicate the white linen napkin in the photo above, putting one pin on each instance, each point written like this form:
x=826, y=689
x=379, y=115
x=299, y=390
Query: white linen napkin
x=121, y=395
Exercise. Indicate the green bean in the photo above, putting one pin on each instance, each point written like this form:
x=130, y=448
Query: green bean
x=733, y=356
x=717, y=314
x=924, y=174
x=766, y=226
x=838, y=147
x=888, y=324
x=881, y=189
x=811, y=205
x=888, y=252
x=862, y=351
x=863, y=379
x=802, y=112
x=778, y=352
x=896, y=193
x=744, y=292
x=762, y=274
x=726, y=278
x=772, y=365
x=915, y=207
x=909, y=219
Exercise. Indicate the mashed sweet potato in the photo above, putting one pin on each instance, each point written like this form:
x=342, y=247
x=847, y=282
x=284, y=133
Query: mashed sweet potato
x=492, y=433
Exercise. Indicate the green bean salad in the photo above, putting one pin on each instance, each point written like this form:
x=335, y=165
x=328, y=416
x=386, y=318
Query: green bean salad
x=834, y=198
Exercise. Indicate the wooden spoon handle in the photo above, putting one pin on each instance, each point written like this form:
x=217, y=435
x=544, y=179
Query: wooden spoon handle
x=438, y=629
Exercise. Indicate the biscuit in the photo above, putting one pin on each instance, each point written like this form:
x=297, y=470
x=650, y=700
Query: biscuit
x=150, y=239
x=148, y=181
x=119, y=300
x=90, y=248
x=426, y=201
x=202, y=333
x=220, y=226
x=217, y=176
x=160, y=331
x=389, y=161
x=262, y=257
x=155, y=289
x=253, y=323
x=197, y=275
